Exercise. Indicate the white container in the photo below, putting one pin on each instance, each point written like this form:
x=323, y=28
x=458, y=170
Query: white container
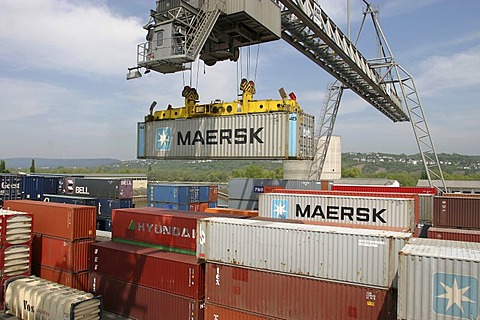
x=425, y=207
x=15, y=227
x=372, y=211
x=358, y=256
x=276, y=135
x=16, y=260
x=439, y=279
x=36, y=298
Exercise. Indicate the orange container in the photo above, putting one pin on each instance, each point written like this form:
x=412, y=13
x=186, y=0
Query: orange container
x=248, y=213
x=67, y=221
x=67, y=255
x=75, y=280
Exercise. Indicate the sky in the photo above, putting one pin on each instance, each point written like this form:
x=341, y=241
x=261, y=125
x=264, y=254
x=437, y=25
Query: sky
x=64, y=93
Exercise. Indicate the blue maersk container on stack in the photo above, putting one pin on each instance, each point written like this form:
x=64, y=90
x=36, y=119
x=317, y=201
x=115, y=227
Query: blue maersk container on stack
x=178, y=196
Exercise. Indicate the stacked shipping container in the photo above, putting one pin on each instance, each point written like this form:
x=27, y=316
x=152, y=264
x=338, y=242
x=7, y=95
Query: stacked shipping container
x=456, y=217
x=188, y=197
x=352, y=270
x=62, y=233
x=15, y=245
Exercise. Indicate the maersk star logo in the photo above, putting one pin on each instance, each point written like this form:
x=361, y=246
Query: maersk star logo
x=455, y=295
x=280, y=209
x=163, y=141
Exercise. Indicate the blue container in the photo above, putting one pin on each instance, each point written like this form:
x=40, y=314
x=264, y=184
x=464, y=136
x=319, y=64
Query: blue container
x=173, y=193
x=212, y=204
x=106, y=206
x=204, y=193
x=60, y=198
x=104, y=224
x=11, y=187
x=33, y=187
x=172, y=206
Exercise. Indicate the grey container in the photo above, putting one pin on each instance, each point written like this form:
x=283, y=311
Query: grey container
x=438, y=279
x=372, y=211
x=277, y=135
x=425, y=207
x=356, y=256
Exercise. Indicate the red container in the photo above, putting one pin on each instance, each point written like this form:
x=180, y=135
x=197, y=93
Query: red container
x=15, y=228
x=454, y=234
x=378, y=189
x=70, y=279
x=68, y=221
x=202, y=206
x=213, y=311
x=283, y=296
x=139, y=302
x=456, y=212
x=172, y=230
x=58, y=253
x=268, y=189
x=212, y=193
x=166, y=271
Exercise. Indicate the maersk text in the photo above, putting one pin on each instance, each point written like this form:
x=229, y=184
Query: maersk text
x=341, y=213
x=222, y=136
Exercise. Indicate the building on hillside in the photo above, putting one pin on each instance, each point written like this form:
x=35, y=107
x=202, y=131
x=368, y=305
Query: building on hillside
x=454, y=186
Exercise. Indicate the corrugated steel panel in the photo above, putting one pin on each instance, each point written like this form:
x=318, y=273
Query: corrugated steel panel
x=139, y=302
x=99, y=187
x=15, y=227
x=454, y=234
x=169, y=230
x=361, y=256
x=35, y=298
x=425, y=207
x=11, y=186
x=75, y=280
x=378, y=189
x=166, y=271
x=213, y=311
x=266, y=13
x=249, y=189
x=68, y=255
x=462, y=212
x=252, y=136
x=175, y=206
x=61, y=198
x=360, y=209
x=284, y=296
x=58, y=220
x=439, y=280
x=212, y=193
x=106, y=206
x=173, y=193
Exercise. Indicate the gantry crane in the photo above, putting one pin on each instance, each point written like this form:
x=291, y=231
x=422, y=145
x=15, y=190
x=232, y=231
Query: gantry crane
x=181, y=31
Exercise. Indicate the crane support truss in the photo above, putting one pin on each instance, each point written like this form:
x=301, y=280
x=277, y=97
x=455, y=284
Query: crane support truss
x=308, y=28
x=324, y=133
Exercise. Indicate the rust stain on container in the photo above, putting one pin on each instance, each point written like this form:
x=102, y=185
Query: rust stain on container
x=167, y=271
x=67, y=255
x=140, y=302
x=60, y=220
x=460, y=212
x=284, y=296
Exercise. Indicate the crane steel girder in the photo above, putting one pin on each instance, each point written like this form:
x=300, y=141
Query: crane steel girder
x=317, y=37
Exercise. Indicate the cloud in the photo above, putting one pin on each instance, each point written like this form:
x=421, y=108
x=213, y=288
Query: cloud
x=78, y=38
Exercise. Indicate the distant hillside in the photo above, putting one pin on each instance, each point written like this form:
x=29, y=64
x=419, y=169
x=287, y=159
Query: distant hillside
x=55, y=163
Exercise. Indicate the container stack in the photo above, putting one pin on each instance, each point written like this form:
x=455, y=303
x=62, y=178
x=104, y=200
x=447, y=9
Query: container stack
x=456, y=217
x=282, y=270
x=149, y=270
x=110, y=194
x=15, y=245
x=36, y=298
x=61, y=236
x=10, y=187
x=244, y=193
x=439, y=280
x=186, y=197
